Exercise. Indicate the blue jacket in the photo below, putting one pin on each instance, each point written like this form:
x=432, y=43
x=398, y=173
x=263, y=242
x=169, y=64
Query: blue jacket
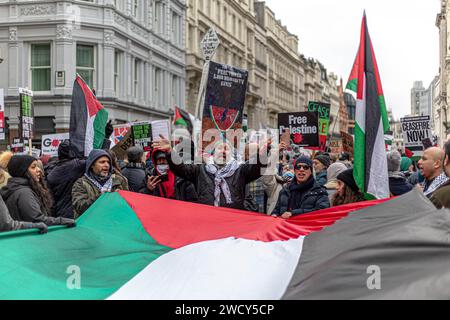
x=321, y=178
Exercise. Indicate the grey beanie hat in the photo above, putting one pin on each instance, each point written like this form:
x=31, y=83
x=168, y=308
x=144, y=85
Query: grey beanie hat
x=394, y=159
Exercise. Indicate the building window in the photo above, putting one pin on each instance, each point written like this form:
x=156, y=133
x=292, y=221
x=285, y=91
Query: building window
x=40, y=67
x=86, y=63
x=117, y=68
x=137, y=76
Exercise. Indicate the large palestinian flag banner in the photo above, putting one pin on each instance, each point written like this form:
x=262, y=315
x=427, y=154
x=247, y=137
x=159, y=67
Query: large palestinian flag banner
x=88, y=119
x=372, y=123
x=131, y=246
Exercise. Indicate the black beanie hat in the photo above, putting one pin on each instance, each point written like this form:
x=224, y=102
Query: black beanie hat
x=347, y=178
x=19, y=164
x=325, y=160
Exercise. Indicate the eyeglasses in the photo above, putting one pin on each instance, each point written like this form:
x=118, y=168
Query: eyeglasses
x=301, y=166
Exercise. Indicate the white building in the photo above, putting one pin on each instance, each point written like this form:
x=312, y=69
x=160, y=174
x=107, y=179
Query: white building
x=131, y=51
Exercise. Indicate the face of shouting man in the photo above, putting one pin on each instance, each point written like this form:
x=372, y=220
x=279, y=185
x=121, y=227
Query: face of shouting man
x=431, y=164
x=101, y=166
x=222, y=154
x=302, y=172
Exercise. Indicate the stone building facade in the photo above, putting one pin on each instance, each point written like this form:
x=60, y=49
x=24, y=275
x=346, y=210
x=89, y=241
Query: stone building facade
x=131, y=51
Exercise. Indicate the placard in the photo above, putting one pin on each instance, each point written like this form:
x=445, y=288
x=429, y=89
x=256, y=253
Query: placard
x=323, y=109
x=51, y=142
x=416, y=132
x=302, y=127
x=142, y=135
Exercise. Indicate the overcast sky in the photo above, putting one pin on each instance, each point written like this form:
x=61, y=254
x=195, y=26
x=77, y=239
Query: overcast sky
x=403, y=32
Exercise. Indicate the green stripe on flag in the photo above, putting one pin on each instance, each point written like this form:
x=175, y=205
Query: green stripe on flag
x=384, y=114
x=353, y=85
x=101, y=118
x=359, y=171
x=109, y=246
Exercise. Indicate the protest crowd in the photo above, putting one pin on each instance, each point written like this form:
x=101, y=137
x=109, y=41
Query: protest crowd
x=38, y=193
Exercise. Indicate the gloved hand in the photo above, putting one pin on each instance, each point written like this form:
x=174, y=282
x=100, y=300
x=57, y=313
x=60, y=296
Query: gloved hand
x=109, y=130
x=70, y=223
x=43, y=228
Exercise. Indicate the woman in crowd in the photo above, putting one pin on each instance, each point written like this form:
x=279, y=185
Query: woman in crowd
x=99, y=178
x=332, y=173
x=26, y=194
x=347, y=191
x=304, y=194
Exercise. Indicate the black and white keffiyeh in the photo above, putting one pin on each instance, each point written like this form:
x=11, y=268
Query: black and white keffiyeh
x=221, y=184
x=430, y=188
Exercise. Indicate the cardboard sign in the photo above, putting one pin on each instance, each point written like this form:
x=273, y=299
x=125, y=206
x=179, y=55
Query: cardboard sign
x=209, y=44
x=51, y=142
x=323, y=109
x=160, y=128
x=416, y=131
x=120, y=131
x=121, y=148
x=347, y=143
x=26, y=124
x=302, y=128
x=224, y=99
x=142, y=135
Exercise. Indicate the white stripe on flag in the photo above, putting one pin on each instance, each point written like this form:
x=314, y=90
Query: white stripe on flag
x=379, y=178
x=361, y=109
x=228, y=269
x=89, y=138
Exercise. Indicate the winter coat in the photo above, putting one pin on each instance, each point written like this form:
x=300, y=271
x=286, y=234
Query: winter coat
x=205, y=186
x=136, y=176
x=9, y=224
x=24, y=204
x=441, y=197
x=398, y=184
x=273, y=184
x=316, y=198
x=61, y=179
x=84, y=193
x=321, y=178
x=184, y=190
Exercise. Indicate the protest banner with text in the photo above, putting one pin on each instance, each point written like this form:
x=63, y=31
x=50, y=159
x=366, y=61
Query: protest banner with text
x=416, y=133
x=323, y=109
x=299, y=129
x=224, y=101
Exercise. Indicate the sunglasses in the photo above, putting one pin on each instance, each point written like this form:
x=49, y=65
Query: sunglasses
x=301, y=166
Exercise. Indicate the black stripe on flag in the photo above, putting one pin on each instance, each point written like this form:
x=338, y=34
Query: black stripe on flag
x=384, y=252
x=78, y=119
x=373, y=109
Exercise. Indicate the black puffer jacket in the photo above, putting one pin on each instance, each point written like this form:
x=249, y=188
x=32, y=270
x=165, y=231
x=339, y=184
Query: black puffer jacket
x=204, y=182
x=60, y=181
x=313, y=199
x=137, y=177
x=24, y=205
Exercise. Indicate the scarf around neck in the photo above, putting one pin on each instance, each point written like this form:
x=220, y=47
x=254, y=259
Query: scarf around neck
x=432, y=186
x=102, y=184
x=221, y=185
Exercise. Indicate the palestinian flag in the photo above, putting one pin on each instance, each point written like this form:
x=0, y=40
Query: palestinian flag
x=125, y=248
x=183, y=119
x=88, y=119
x=371, y=173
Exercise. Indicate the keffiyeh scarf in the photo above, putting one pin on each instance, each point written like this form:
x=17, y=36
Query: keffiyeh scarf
x=430, y=188
x=221, y=184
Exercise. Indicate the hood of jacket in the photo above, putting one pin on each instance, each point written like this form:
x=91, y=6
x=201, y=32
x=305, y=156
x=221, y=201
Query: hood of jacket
x=14, y=184
x=94, y=156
